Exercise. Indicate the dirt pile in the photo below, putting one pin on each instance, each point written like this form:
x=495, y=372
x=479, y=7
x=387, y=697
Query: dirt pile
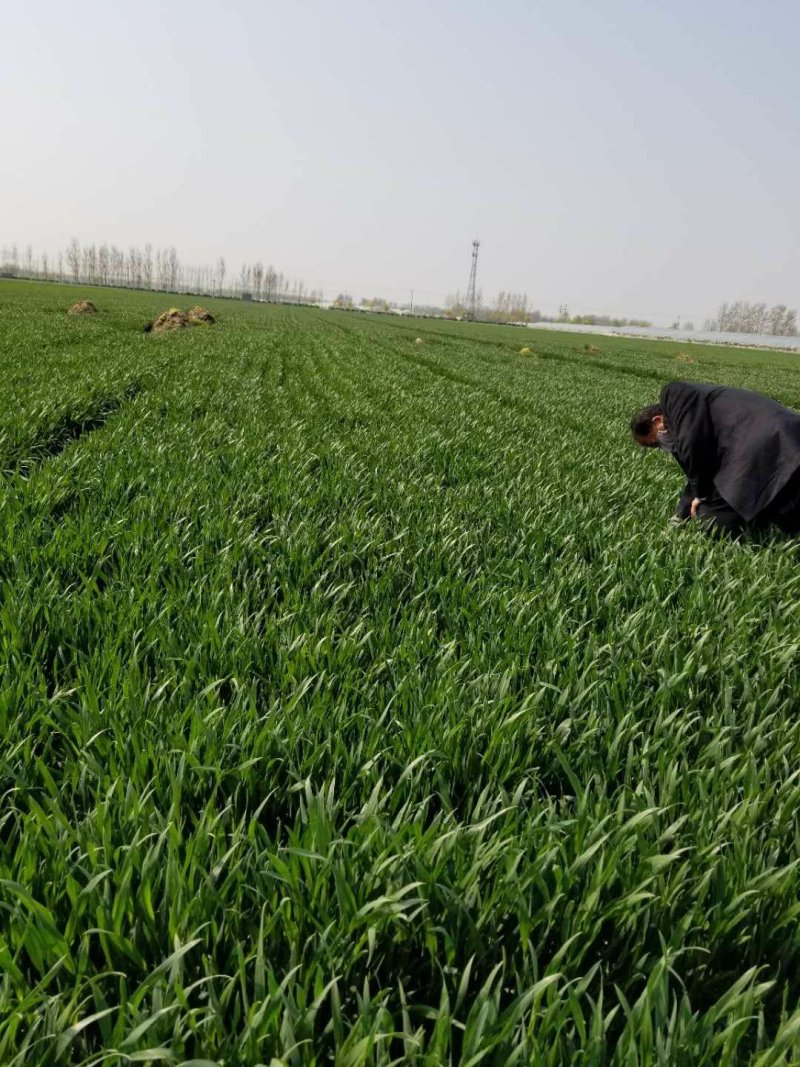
x=83, y=307
x=591, y=349
x=174, y=319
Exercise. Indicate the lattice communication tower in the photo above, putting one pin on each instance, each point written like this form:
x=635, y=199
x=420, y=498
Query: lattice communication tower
x=472, y=299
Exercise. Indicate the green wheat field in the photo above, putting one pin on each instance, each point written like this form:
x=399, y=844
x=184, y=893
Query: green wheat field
x=359, y=706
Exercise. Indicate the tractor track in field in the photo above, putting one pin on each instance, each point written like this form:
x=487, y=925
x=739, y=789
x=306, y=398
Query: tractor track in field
x=70, y=425
x=482, y=389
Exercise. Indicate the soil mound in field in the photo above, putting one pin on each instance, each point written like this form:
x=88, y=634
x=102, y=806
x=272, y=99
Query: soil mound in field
x=591, y=349
x=83, y=307
x=201, y=315
x=174, y=319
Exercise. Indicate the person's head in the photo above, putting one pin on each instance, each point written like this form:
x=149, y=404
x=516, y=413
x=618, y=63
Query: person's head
x=647, y=424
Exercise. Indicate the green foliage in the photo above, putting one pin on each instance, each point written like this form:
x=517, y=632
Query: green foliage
x=358, y=705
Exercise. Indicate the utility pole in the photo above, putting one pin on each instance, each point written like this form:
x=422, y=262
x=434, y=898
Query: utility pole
x=472, y=299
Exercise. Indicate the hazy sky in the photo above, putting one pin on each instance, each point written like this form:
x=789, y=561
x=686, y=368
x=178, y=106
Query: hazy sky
x=623, y=156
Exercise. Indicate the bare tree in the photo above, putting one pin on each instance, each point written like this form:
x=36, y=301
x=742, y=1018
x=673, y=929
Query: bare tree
x=220, y=275
x=757, y=318
x=135, y=267
x=258, y=279
x=74, y=258
x=117, y=270
x=270, y=281
x=455, y=305
x=103, y=263
x=147, y=266
x=89, y=264
x=172, y=269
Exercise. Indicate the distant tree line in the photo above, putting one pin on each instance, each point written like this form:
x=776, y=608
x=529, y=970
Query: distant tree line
x=507, y=307
x=597, y=320
x=744, y=317
x=515, y=307
x=152, y=268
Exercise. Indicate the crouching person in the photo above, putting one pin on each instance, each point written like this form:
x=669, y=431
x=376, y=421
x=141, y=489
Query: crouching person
x=740, y=452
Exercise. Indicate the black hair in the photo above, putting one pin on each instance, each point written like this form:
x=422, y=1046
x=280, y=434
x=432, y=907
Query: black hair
x=642, y=421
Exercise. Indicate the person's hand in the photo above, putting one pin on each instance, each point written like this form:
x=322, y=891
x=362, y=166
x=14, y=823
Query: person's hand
x=695, y=505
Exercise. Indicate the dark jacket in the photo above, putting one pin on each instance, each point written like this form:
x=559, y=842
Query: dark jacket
x=743, y=444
